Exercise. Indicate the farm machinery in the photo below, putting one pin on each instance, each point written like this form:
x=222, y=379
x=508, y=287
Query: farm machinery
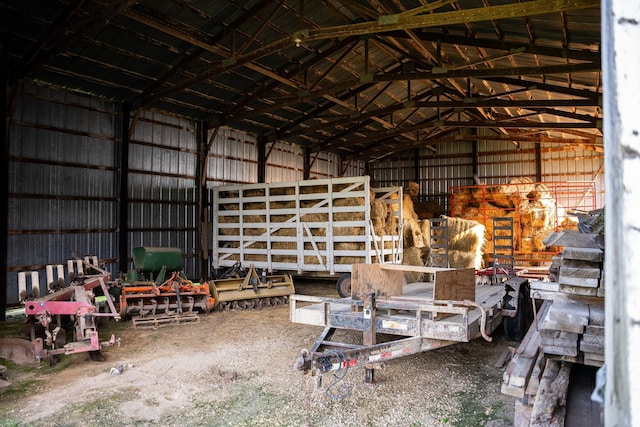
x=73, y=307
x=158, y=292
x=240, y=289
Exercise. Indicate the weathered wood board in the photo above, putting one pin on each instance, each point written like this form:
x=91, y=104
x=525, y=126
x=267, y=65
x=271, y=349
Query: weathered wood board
x=580, y=272
x=585, y=254
x=371, y=278
x=575, y=239
x=569, y=312
x=455, y=285
x=549, y=408
x=579, y=290
x=580, y=282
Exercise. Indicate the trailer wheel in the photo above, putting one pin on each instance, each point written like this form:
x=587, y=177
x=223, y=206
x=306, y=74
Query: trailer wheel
x=344, y=285
x=516, y=327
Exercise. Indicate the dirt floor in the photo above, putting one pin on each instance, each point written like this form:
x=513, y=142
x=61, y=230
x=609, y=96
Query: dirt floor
x=235, y=369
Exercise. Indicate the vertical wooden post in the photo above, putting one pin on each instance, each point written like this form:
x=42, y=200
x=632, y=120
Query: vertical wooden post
x=306, y=164
x=621, y=91
x=202, y=131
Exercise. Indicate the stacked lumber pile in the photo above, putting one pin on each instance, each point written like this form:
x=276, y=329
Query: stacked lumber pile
x=578, y=270
x=575, y=332
x=465, y=238
x=569, y=329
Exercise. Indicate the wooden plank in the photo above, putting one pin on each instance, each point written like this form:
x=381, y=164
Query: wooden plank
x=587, y=254
x=580, y=263
x=576, y=239
x=455, y=285
x=536, y=375
x=549, y=407
x=594, y=329
x=581, y=272
x=563, y=339
x=371, y=278
x=569, y=312
x=580, y=282
x=544, y=286
x=578, y=290
x=560, y=296
x=560, y=351
x=596, y=315
x=568, y=327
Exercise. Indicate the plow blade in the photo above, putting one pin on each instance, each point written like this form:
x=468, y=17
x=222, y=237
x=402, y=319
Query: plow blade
x=251, y=291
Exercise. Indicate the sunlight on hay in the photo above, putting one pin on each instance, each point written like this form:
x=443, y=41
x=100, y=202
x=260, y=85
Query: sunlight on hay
x=463, y=259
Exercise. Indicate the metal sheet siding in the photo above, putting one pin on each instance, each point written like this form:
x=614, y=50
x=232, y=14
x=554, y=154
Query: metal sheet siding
x=233, y=158
x=62, y=197
x=162, y=196
x=285, y=162
x=498, y=163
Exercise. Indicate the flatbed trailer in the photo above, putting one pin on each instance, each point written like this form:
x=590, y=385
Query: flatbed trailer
x=417, y=317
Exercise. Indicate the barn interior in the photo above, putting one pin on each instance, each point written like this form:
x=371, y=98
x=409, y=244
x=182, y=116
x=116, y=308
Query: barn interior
x=188, y=159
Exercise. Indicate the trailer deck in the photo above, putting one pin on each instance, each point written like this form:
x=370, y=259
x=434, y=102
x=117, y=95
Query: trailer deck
x=415, y=317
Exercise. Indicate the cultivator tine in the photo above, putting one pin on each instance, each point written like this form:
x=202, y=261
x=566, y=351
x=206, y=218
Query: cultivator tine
x=190, y=302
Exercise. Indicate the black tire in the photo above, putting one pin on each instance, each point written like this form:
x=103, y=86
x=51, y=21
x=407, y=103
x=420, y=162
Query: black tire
x=344, y=285
x=515, y=328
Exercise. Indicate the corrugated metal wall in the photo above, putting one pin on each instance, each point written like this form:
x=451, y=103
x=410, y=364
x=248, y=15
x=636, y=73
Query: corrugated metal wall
x=163, y=159
x=498, y=163
x=62, y=182
x=233, y=158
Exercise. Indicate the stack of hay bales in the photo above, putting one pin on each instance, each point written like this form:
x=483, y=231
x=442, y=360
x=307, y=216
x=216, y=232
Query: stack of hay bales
x=531, y=205
x=465, y=239
x=423, y=210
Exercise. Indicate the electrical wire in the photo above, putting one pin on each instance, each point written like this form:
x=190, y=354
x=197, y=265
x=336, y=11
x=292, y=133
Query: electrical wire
x=339, y=374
